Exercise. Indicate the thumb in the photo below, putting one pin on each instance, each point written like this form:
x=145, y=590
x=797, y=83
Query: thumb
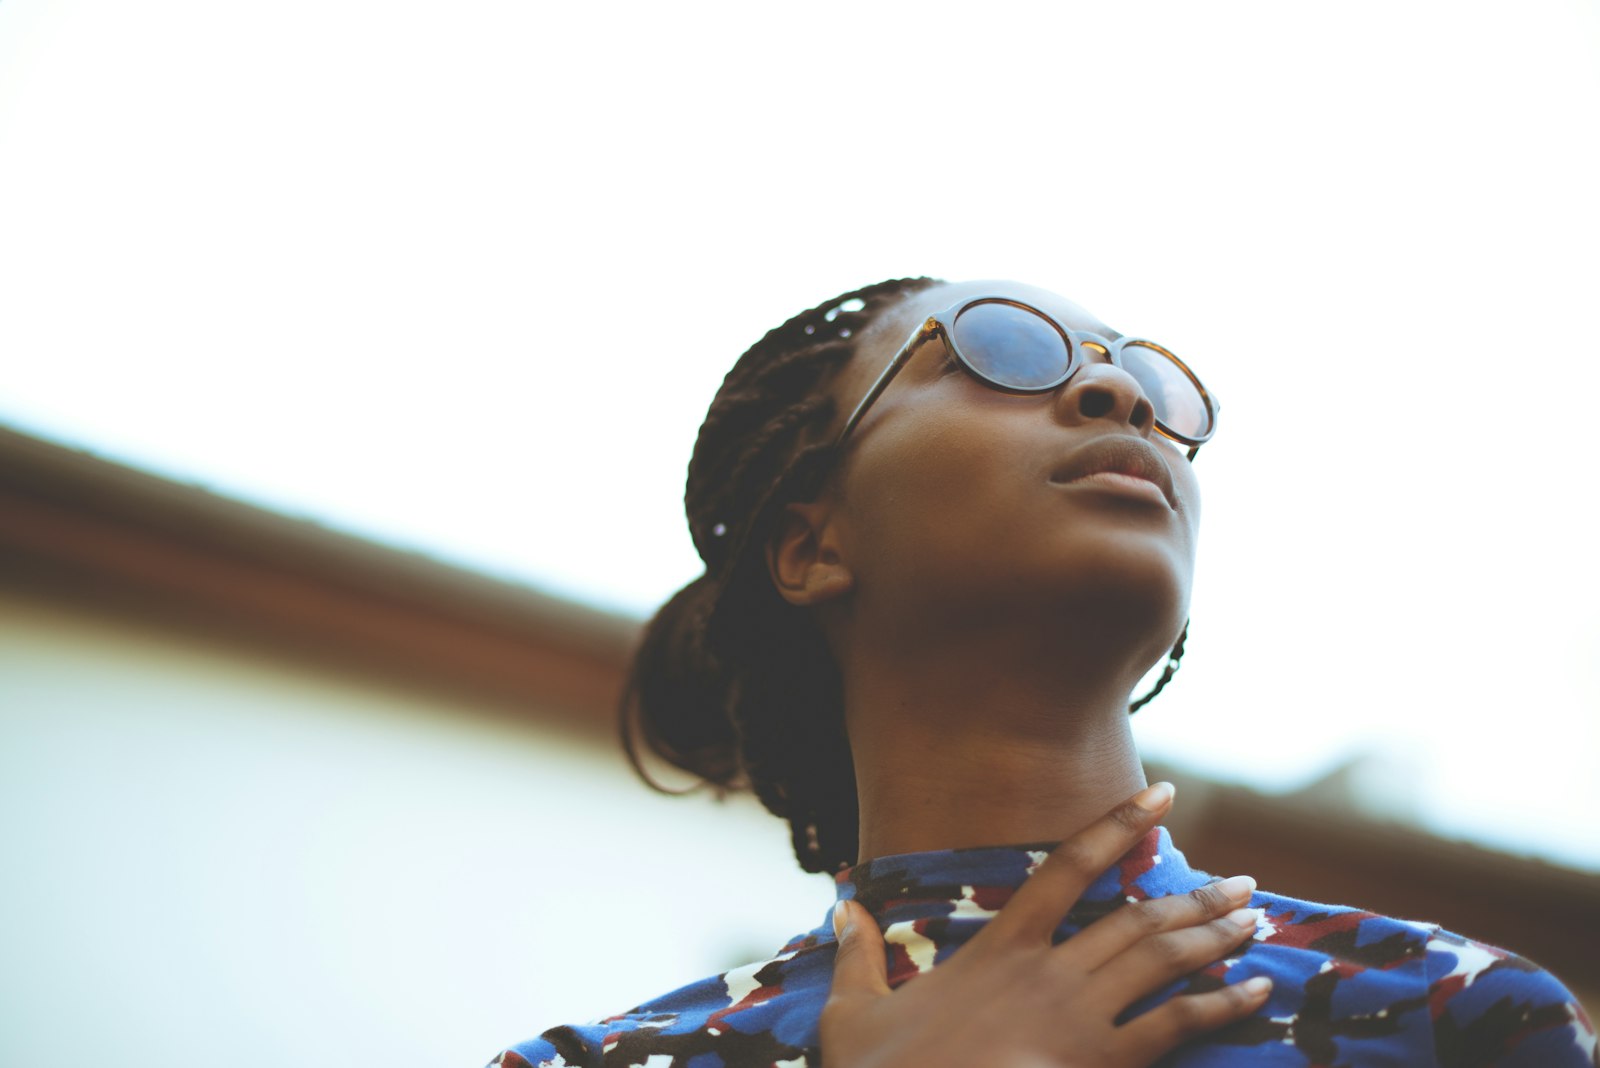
x=861, y=966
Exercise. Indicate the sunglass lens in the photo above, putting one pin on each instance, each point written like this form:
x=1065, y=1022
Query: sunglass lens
x=1179, y=404
x=1011, y=346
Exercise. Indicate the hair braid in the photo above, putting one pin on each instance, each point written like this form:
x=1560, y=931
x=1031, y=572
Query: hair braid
x=1167, y=671
x=730, y=682
x=777, y=436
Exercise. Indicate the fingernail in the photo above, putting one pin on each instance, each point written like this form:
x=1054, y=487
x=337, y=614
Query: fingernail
x=841, y=923
x=1154, y=798
x=1257, y=986
x=1238, y=886
x=1245, y=918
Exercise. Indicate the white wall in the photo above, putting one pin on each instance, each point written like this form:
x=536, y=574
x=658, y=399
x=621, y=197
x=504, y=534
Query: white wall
x=210, y=856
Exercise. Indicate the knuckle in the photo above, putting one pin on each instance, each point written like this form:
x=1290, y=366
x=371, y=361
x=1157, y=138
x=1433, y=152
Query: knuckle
x=1077, y=856
x=1131, y=818
x=1188, y=1014
x=995, y=939
x=1148, y=916
x=1170, y=950
x=1209, y=899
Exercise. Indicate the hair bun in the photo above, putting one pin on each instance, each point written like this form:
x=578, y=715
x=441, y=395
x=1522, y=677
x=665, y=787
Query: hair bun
x=676, y=699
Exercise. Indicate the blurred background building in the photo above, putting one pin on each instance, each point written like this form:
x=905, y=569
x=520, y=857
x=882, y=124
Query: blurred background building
x=273, y=793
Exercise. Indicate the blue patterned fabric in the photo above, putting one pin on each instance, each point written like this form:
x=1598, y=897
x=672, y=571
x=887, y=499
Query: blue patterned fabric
x=1351, y=989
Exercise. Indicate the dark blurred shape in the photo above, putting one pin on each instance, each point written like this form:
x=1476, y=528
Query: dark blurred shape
x=77, y=528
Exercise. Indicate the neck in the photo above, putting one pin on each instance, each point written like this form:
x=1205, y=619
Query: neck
x=950, y=756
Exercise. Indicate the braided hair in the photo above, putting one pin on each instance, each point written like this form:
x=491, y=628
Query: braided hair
x=730, y=682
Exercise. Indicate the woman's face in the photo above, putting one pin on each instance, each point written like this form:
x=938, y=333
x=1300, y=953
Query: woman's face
x=955, y=498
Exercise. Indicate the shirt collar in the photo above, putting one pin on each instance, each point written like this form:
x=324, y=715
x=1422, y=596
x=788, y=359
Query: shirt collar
x=930, y=903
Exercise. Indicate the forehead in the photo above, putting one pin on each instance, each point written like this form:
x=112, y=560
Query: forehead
x=880, y=342
x=944, y=296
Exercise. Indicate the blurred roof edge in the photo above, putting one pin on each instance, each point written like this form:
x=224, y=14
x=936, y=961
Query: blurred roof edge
x=76, y=525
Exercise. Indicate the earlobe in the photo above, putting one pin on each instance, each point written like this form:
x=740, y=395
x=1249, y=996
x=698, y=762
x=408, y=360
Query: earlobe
x=803, y=556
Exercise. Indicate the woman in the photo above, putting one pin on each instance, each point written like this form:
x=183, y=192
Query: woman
x=947, y=528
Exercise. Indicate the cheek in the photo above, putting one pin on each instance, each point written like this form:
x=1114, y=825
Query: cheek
x=1188, y=490
x=943, y=490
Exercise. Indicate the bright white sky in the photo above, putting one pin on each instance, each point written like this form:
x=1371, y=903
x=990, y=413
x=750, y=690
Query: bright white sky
x=465, y=277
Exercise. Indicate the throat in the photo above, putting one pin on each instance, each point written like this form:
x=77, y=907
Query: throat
x=937, y=783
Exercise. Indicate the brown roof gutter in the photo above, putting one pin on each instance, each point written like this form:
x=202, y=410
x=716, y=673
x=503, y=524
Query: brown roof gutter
x=75, y=525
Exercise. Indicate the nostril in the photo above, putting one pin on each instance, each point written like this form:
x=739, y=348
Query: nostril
x=1143, y=415
x=1096, y=403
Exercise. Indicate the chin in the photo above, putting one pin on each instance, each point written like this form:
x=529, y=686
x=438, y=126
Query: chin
x=1135, y=589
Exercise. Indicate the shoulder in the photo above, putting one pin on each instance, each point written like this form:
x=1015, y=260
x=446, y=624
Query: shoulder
x=1348, y=979
x=761, y=1013
x=1483, y=998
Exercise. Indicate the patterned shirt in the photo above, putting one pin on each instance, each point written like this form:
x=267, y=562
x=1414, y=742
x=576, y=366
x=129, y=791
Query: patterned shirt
x=1350, y=988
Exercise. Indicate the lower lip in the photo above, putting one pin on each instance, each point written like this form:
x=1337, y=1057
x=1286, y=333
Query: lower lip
x=1129, y=485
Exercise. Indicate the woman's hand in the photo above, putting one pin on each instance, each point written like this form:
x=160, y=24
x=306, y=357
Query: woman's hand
x=1010, y=999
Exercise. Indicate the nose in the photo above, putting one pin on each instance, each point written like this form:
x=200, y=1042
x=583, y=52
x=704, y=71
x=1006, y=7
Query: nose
x=1099, y=390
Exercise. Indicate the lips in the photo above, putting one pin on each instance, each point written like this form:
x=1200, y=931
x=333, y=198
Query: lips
x=1118, y=454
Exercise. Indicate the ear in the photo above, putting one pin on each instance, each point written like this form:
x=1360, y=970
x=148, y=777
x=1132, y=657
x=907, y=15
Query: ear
x=803, y=555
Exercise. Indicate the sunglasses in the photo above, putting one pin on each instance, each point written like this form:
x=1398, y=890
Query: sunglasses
x=1016, y=348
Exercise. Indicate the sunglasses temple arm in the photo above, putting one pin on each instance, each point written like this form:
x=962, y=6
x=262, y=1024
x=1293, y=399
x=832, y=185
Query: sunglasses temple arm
x=901, y=358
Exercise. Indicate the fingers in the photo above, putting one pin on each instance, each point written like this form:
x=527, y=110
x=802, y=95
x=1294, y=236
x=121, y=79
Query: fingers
x=1113, y=934
x=1177, y=1021
x=1157, y=960
x=1038, y=907
x=861, y=967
